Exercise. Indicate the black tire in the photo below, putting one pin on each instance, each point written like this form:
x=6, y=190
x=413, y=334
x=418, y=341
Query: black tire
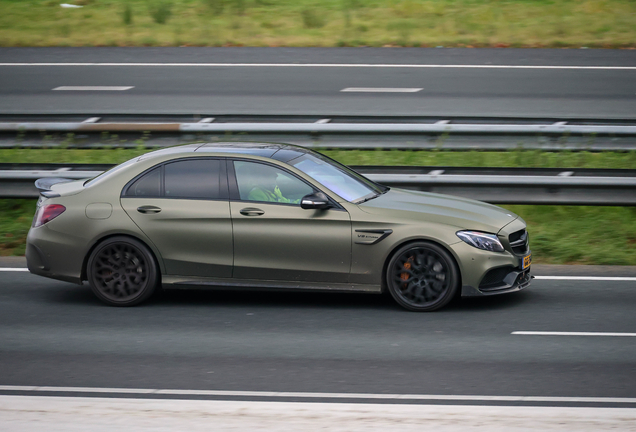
x=422, y=277
x=122, y=272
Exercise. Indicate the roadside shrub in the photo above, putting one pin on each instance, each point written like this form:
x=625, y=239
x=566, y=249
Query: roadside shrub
x=127, y=14
x=239, y=6
x=216, y=6
x=160, y=11
x=311, y=19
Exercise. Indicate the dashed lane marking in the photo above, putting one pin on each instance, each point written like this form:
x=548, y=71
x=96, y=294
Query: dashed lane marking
x=587, y=278
x=93, y=88
x=556, y=333
x=381, y=90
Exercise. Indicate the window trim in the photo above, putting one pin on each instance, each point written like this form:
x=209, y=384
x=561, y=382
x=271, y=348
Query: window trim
x=236, y=196
x=223, y=181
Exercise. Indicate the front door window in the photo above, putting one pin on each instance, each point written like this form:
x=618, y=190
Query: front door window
x=265, y=183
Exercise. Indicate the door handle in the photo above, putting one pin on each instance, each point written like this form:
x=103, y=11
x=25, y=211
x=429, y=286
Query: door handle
x=148, y=209
x=251, y=211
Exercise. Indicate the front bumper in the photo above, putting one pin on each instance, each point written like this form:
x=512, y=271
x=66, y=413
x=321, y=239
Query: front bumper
x=515, y=280
x=488, y=273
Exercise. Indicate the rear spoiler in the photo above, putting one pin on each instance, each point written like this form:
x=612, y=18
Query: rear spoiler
x=44, y=185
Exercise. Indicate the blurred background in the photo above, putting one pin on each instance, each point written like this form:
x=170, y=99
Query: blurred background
x=529, y=104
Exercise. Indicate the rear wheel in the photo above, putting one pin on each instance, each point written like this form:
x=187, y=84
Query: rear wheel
x=422, y=277
x=122, y=272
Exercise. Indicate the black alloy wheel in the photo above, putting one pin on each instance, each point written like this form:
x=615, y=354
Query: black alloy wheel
x=122, y=272
x=422, y=277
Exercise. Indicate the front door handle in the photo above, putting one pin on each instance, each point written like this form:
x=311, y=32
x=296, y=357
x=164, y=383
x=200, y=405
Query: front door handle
x=148, y=209
x=251, y=211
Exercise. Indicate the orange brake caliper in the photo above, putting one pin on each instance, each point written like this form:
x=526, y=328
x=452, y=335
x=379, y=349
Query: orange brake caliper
x=407, y=266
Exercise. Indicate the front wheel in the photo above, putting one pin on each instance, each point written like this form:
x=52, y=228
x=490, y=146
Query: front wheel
x=122, y=272
x=422, y=277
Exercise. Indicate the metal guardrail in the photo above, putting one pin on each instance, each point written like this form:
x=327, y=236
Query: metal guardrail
x=329, y=132
x=559, y=128
x=497, y=186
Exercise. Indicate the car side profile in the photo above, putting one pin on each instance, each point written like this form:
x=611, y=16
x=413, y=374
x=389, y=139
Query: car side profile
x=271, y=216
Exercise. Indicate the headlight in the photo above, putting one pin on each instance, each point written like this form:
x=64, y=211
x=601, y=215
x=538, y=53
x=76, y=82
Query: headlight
x=481, y=240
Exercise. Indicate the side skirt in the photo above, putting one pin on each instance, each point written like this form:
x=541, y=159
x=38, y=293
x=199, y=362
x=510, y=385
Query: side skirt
x=190, y=282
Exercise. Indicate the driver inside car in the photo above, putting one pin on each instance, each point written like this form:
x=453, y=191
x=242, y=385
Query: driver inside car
x=264, y=185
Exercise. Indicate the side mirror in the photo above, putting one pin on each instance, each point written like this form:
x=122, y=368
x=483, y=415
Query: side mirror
x=315, y=201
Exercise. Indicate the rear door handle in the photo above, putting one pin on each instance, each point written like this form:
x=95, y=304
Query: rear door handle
x=251, y=211
x=148, y=209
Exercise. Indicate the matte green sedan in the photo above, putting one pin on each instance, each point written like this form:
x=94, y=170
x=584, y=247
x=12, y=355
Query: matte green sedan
x=269, y=216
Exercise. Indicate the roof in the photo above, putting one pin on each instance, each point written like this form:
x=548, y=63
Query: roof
x=280, y=152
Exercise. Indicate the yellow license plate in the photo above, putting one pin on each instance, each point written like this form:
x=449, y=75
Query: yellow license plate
x=527, y=260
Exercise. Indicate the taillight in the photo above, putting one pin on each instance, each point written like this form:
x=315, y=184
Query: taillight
x=47, y=213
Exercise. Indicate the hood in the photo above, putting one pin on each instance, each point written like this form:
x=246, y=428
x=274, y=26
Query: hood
x=444, y=209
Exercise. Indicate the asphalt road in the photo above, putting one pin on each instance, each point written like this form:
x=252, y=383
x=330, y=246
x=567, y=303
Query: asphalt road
x=243, y=85
x=57, y=334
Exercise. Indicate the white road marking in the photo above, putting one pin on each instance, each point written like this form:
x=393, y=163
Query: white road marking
x=53, y=414
x=587, y=278
x=329, y=65
x=554, y=333
x=93, y=88
x=315, y=395
x=381, y=90
x=13, y=269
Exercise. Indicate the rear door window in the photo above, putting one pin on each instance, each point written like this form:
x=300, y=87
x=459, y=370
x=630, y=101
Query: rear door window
x=197, y=178
x=183, y=179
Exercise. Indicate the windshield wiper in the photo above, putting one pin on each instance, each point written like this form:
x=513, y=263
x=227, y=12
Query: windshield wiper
x=369, y=199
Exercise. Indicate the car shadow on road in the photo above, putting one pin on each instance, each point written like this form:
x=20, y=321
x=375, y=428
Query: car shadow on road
x=296, y=299
x=72, y=294
x=489, y=303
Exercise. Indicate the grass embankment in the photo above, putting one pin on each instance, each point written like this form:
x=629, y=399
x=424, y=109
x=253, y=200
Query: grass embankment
x=559, y=234
x=517, y=23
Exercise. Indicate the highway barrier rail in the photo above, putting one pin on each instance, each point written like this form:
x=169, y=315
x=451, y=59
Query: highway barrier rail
x=495, y=185
x=339, y=132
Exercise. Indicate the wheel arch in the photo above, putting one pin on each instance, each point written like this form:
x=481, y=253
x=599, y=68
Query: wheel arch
x=100, y=240
x=398, y=246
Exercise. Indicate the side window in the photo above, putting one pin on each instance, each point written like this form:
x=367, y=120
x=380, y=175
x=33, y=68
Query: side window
x=149, y=185
x=197, y=178
x=194, y=178
x=265, y=183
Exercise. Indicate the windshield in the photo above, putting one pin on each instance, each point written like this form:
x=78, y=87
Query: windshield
x=347, y=183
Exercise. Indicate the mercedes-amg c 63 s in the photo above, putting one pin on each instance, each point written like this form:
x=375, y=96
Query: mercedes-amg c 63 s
x=269, y=216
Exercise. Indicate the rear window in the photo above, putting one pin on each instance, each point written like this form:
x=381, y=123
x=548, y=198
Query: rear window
x=148, y=185
x=110, y=172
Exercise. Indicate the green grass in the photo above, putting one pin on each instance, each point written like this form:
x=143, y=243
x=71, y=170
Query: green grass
x=500, y=23
x=517, y=158
x=580, y=234
x=512, y=159
x=15, y=221
x=583, y=235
